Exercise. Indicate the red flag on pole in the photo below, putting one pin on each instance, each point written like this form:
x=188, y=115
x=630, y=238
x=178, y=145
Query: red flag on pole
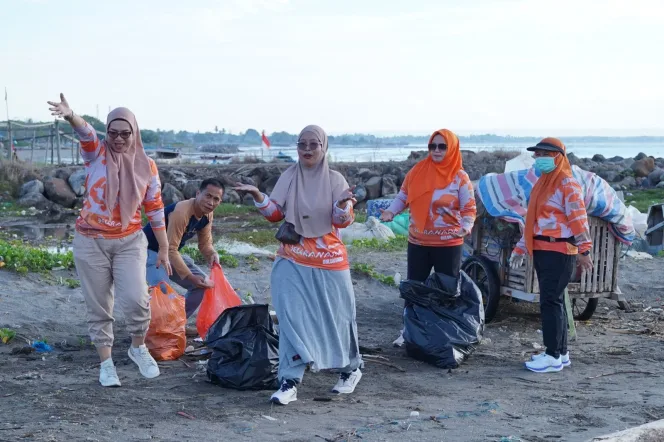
x=266, y=142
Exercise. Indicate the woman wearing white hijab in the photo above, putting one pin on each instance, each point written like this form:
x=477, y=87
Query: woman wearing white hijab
x=312, y=291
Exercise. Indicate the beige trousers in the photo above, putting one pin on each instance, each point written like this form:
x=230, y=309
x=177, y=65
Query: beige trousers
x=112, y=269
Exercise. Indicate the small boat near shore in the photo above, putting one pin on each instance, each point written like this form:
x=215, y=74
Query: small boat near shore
x=283, y=157
x=164, y=153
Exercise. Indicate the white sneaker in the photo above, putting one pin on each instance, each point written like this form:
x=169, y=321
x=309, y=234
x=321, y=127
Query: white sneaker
x=108, y=377
x=563, y=357
x=347, y=382
x=545, y=364
x=146, y=363
x=286, y=394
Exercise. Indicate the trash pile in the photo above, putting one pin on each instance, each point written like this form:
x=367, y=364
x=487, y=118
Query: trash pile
x=443, y=319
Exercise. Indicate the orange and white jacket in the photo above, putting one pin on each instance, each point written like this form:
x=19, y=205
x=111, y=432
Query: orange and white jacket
x=95, y=219
x=564, y=217
x=327, y=252
x=452, y=210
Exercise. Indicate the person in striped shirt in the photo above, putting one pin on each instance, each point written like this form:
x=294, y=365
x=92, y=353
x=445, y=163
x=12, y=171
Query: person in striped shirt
x=557, y=236
x=110, y=249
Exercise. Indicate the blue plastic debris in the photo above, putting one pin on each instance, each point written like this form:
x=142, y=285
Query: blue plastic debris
x=42, y=347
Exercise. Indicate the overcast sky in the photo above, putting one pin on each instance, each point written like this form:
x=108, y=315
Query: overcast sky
x=520, y=67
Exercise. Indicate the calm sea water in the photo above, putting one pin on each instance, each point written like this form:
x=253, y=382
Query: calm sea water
x=369, y=154
x=372, y=154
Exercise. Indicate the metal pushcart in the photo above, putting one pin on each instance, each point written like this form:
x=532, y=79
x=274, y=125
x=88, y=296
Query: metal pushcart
x=490, y=245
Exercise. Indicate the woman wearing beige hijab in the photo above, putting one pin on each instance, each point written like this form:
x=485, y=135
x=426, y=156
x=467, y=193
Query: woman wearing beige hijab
x=312, y=291
x=110, y=249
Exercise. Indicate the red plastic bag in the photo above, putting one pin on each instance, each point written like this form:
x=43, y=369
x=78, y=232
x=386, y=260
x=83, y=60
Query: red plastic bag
x=166, y=337
x=215, y=300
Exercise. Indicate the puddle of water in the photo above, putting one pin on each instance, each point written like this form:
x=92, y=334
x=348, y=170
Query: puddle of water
x=54, y=238
x=243, y=248
x=64, y=248
x=32, y=232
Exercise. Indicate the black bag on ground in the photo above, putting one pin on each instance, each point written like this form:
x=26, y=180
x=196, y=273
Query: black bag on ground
x=443, y=319
x=245, y=349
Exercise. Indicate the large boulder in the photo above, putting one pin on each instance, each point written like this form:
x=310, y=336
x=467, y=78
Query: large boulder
x=63, y=174
x=389, y=186
x=365, y=174
x=77, y=182
x=374, y=187
x=599, y=158
x=268, y=185
x=34, y=186
x=574, y=160
x=640, y=156
x=58, y=191
x=231, y=197
x=609, y=175
x=176, y=178
x=660, y=185
x=34, y=199
x=170, y=195
x=643, y=166
x=656, y=176
x=628, y=182
x=191, y=188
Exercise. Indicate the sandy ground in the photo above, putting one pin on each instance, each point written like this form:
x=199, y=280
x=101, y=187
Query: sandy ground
x=57, y=397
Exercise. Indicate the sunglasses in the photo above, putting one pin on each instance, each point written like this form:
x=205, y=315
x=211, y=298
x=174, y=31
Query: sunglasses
x=312, y=146
x=440, y=146
x=113, y=134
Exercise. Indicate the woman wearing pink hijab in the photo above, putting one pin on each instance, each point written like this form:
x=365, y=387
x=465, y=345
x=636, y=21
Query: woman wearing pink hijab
x=110, y=249
x=311, y=288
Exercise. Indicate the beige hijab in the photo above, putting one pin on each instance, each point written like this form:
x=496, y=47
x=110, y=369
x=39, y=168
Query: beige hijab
x=127, y=173
x=307, y=195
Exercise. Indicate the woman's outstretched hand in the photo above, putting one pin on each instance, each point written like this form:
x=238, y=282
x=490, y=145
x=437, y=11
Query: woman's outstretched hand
x=61, y=109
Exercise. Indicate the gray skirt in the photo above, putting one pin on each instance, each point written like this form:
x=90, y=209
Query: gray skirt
x=316, y=312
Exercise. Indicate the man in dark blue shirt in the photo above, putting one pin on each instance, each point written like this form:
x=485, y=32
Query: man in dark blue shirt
x=184, y=220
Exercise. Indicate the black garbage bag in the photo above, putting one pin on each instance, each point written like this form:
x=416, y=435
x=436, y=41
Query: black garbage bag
x=443, y=319
x=245, y=349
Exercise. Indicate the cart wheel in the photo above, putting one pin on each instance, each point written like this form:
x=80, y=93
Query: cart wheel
x=482, y=273
x=583, y=308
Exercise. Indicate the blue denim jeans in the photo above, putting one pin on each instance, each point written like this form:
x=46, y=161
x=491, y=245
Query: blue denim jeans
x=194, y=295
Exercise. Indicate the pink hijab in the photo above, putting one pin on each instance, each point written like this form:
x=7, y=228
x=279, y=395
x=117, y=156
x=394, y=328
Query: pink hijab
x=127, y=173
x=307, y=195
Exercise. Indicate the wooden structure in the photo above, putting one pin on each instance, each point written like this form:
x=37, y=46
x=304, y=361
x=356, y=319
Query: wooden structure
x=492, y=241
x=655, y=230
x=53, y=138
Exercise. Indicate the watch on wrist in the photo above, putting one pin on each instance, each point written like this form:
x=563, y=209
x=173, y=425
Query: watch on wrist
x=586, y=253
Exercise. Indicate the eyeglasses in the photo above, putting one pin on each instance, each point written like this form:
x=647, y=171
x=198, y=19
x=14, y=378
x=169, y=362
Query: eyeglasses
x=113, y=134
x=312, y=146
x=441, y=146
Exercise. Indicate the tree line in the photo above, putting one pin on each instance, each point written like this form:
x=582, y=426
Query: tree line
x=251, y=137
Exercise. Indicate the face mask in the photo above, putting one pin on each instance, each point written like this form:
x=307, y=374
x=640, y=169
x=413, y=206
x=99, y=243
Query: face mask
x=545, y=164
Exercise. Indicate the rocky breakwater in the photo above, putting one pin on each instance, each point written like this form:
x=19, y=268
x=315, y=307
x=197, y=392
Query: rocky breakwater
x=641, y=171
x=58, y=192
x=372, y=180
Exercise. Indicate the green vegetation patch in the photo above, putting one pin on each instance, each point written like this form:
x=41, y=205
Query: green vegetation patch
x=643, y=199
x=21, y=258
x=396, y=244
x=368, y=270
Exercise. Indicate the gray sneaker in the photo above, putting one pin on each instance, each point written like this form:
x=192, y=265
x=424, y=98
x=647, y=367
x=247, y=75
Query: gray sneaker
x=563, y=357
